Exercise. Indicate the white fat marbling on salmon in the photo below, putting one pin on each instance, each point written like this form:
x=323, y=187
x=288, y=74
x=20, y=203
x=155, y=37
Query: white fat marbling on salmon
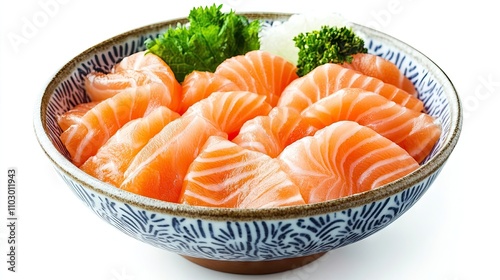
x=227, y=175
x=328, y=78
x=414, y=131
x=325, y=167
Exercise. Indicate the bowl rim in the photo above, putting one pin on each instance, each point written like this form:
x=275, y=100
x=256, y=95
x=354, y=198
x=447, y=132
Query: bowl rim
x=63, y=165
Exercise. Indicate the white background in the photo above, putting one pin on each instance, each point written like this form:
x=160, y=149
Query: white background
x=450, y=234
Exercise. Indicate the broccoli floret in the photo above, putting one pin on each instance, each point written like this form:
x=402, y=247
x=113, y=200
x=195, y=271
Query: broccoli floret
x=330, y=44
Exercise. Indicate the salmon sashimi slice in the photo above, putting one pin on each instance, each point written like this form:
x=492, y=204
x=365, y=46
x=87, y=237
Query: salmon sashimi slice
x=342, y=159
x=157, y=70
x=74, y=115
x=230, y=110
x=100, y=86
x=416, y=132
x=270, y=134
x=259, y=71
x=198, y=85
x=329, y=78
x=114, y=157
x=158, y=170
x=83, y=139
x=382, y=69
x=229, y=176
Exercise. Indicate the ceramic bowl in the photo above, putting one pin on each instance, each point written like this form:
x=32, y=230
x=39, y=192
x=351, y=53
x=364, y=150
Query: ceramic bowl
x=253, y=241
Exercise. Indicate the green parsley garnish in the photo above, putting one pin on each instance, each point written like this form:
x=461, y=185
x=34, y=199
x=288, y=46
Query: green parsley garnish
x=210, y=37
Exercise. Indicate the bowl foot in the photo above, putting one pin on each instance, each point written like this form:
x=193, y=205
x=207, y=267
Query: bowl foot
x=254, y=267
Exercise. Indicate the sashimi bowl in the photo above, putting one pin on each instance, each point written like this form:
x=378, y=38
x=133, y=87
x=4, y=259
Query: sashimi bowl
x=248, y=241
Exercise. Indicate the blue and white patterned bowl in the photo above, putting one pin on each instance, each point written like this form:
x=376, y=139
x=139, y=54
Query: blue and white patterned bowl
x=250, y=240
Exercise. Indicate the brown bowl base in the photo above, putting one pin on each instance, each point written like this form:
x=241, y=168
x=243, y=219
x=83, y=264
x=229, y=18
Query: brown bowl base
x=254, y=267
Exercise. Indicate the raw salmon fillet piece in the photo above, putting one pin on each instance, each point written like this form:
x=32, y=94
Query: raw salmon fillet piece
x=382, y=69
x=329, y=78
x=199, y=85
x=416, y=132
x=83, y=139
x=227, y=175
x=114, y=157
x=74, y=115
x=100, y=86
x=259, y=71
x=156, y=69
x=158, y=170
x=271, y=133
x=342, y=159
x=230, y=110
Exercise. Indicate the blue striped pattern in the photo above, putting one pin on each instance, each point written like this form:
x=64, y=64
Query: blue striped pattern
x=251, y=240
